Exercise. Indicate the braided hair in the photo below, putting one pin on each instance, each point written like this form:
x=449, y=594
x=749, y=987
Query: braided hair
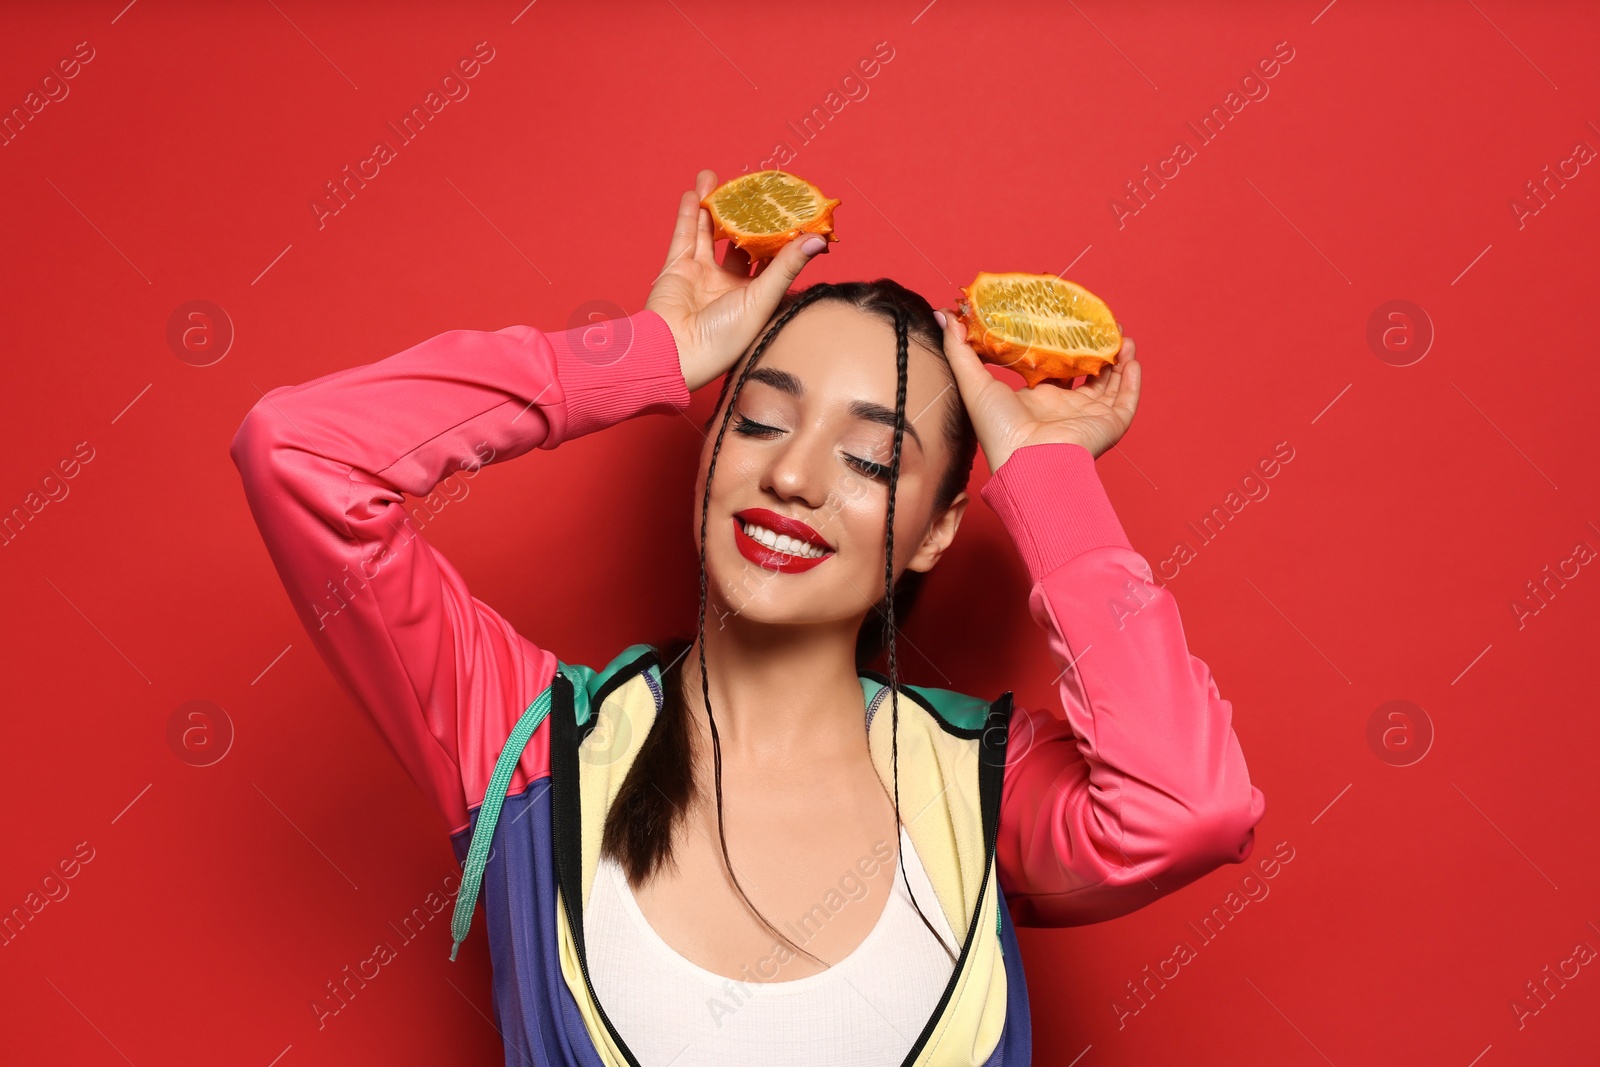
x=658, y=789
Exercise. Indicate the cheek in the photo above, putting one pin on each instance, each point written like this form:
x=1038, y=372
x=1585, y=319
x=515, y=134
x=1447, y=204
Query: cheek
x=853, y=519
x=729, y=473
x=859, y=526
x=852, y=514
x=910, y=522
x=738, y=473
x=695, y=497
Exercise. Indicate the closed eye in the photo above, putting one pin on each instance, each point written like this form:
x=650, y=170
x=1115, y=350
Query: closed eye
x=751, y=428
x=879, y=471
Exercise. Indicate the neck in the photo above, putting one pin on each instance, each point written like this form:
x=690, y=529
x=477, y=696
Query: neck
x=779, y=693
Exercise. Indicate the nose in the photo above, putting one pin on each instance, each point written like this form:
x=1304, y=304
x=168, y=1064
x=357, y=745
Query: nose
x=798, y=469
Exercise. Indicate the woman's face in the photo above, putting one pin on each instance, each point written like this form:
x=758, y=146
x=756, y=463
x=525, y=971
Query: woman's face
x=810, y=442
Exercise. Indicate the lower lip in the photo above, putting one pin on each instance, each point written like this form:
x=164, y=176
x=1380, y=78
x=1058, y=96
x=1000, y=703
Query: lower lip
x=770, y=558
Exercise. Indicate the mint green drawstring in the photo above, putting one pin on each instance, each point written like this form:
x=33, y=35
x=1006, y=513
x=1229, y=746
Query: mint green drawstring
x=489, y=815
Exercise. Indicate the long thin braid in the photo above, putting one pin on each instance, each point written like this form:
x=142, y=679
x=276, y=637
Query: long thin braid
x=901, y=356
x=705, y=685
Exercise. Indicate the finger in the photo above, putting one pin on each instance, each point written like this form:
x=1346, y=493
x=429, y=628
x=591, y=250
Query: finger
x=1104, y=385
x=1126, y=402
x=705, y=182
x=1099, y=384
x=1118, y=371
x=780, y=272
x=1109, y=383
x=703, y=244
x=971, y=376
x=683, y=230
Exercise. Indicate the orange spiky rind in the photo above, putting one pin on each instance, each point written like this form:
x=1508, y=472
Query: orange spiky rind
x=755, y=233
x=1041, y=326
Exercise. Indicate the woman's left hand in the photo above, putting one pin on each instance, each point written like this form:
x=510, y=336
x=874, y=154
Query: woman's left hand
x=1095, y=414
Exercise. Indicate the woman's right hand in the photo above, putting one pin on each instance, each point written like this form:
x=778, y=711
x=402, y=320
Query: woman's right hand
x=715, y=311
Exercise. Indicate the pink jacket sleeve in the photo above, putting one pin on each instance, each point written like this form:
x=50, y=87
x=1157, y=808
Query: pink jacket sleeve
x=1142, y=788
x=325, y=465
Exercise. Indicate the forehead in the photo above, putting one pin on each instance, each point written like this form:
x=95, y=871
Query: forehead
x=841, y=354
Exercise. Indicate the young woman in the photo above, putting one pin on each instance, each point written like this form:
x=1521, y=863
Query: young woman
x=751, y=846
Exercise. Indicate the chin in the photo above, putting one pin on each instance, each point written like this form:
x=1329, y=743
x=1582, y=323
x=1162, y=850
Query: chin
x=761, y=596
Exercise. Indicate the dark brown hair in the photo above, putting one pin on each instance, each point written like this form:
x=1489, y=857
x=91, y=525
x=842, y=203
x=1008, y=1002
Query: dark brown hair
x=656, y=793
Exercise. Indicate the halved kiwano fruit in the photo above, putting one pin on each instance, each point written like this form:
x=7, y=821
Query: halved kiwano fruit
x=1041, y=326
x=763, y=211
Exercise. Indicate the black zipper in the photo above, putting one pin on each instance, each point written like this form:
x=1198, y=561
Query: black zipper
x=990, y=839
x=583, y=965
x=955, y=975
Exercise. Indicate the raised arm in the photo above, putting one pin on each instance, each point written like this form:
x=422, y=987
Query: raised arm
x=325, y=466
x=1142, y=788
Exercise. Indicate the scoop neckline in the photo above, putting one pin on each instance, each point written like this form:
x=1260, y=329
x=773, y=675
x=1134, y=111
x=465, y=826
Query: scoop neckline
x=792, y=985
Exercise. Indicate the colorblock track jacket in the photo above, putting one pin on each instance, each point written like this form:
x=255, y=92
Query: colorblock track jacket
x=1135, y=788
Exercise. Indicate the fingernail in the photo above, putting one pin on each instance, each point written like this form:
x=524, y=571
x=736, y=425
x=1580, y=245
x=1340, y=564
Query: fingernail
x=940, y=316
x=813, y=244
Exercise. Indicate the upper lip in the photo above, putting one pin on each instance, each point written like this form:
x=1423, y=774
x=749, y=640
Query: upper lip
x=782, y=524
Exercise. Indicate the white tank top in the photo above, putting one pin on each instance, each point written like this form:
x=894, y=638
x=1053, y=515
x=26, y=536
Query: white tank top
x=868, y=1008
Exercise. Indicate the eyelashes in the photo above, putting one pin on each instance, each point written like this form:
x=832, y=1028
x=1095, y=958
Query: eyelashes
x=751, y=428
x=876, y=471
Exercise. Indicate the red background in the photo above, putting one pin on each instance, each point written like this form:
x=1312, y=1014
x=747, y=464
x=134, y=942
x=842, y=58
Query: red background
x=1383, y=565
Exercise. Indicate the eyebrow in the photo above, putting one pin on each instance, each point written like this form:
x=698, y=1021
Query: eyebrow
x=785, y=382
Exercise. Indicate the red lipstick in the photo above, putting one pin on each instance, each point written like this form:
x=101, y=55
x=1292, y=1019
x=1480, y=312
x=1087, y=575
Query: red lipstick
x=770, y=558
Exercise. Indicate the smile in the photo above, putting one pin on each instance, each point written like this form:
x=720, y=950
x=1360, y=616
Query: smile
x=776, y=542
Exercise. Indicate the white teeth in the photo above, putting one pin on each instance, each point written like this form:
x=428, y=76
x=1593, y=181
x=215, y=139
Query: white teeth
x=783, y=542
